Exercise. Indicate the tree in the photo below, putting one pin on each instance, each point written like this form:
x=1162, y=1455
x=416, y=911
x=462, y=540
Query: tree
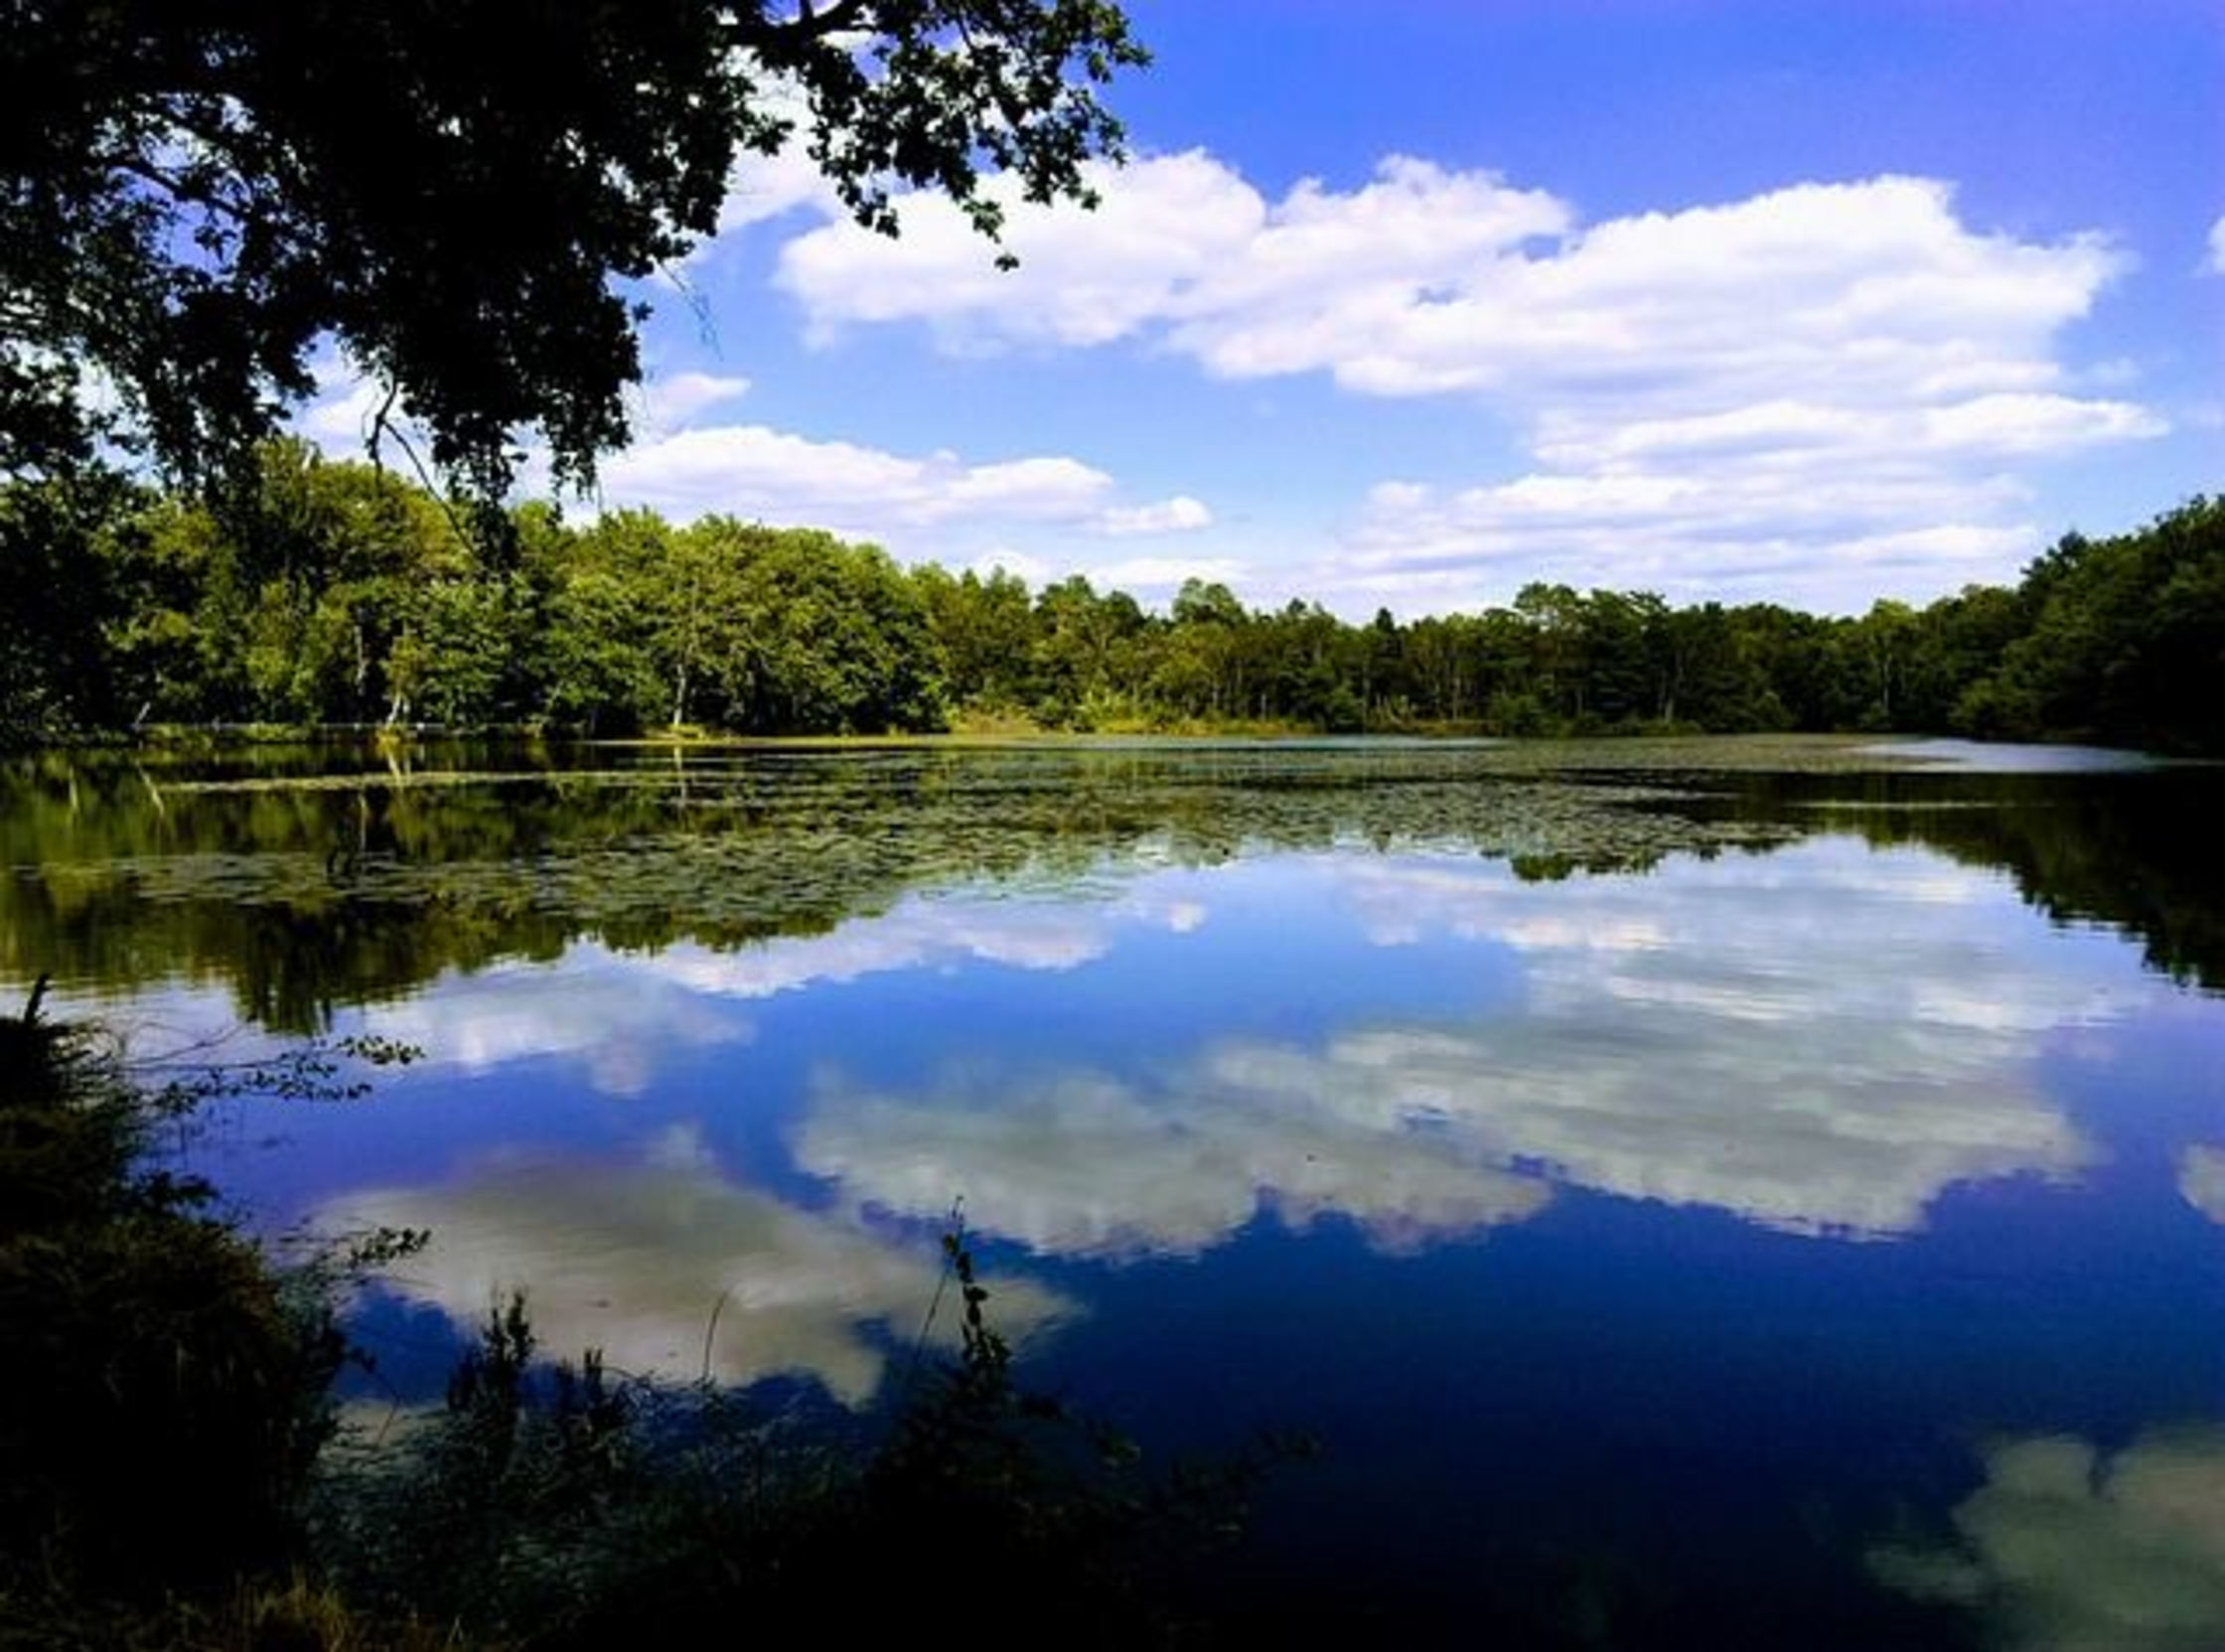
x=1080, y=636
x=193, y=193
x=54, y=603
x=986, y=632
x=2127, y=642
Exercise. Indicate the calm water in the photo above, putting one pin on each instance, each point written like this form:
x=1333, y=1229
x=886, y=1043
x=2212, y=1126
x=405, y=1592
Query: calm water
x=1700, y=1194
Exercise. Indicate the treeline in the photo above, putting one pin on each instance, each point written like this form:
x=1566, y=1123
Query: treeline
x=341, y=594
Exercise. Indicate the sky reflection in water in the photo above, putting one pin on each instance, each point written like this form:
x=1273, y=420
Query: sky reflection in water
x=1821, y=1040
x=1817, y=1219
x=2072, y=1549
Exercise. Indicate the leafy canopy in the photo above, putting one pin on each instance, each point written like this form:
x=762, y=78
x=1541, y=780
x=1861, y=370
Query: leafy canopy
x=194, y=192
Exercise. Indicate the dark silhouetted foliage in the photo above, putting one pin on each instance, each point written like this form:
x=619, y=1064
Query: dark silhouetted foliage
x=160, y=1402
x=193, y=193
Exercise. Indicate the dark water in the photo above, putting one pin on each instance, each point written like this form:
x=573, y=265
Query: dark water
x=1698, y=1194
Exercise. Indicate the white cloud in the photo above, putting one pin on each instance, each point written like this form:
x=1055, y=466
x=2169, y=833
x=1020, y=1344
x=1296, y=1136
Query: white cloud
x=683, y=470
x=669, y=403
x=2010, y=425
x=1986, y=426
x=1722, y=529
x=910, y=502
x=1840, y=375
x=1179, y=514
x=1054, y=487
x=1853, y=503
x=2064, y=1549
x=757, y=472
x=1181, y=244
x=1165, y=573
x=767, y=186
x=2217, y=247
x=1084, y=278
x=1425, y=281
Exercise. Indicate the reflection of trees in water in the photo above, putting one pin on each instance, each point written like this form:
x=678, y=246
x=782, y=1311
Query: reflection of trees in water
x=306, y=879
x=2134, y=851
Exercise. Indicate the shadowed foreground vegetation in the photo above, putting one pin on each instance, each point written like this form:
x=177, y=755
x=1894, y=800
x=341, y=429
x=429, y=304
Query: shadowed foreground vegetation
x=174, y=1473
x=160, y=1403
x=333, y=593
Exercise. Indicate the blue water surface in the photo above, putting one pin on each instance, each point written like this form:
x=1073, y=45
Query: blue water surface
x=1810, y=1240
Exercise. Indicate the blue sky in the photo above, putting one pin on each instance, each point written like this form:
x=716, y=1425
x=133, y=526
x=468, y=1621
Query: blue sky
x=1811, y=301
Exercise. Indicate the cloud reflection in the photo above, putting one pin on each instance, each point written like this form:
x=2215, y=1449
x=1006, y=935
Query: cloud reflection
x=1082, y=1164
x=637, y=1260
x=2066, y=1548
x=1822, y=1041
x=2201, y=1180
x=1842, y=1131
x=594, y=1008
x=921, y=934
x=618, y=1013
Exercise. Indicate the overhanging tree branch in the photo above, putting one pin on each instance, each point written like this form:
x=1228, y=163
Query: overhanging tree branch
x=196, y=193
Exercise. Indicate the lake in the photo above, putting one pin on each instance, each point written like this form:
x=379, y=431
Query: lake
x=1698, y=1193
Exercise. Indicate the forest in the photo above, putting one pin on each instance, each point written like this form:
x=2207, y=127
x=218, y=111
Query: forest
x=337, y=593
